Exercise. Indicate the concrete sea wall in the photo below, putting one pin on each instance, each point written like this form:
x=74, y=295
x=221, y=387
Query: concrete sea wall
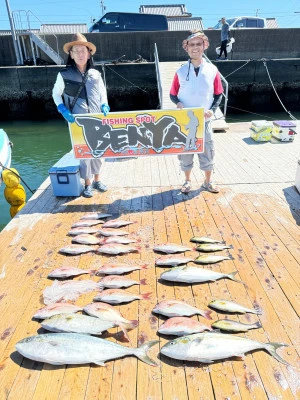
x=26, y=91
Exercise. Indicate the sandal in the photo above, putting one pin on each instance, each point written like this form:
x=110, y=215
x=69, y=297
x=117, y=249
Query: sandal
x=210, y=187
x=186, y=187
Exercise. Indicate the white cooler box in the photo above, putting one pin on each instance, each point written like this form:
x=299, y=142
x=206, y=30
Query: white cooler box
x=261, y=131
x=284, y=130
x=65, y=177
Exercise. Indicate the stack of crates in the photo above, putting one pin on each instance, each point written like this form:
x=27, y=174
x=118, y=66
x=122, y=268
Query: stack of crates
x=284, y=130
x=261, y=131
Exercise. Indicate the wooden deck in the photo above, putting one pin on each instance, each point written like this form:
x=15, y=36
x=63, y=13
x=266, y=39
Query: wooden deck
x=257, y=211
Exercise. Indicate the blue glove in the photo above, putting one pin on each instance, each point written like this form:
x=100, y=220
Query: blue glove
x=68, y=116
x=105, y=109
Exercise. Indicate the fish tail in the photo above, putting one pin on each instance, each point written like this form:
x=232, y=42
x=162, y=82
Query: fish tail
x=272, y=347
x=141, y=353
x=206, y=314
x=233, y=278
x=146, y=296
x=143, y=282
x=124, y=330
x=258, y=311
x=258, y=324
x=131, y=324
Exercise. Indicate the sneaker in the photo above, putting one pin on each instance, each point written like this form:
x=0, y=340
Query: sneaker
x=225, y=59
x=99, y=186
x=210, y=187
x=218, y=58
x=88, y=191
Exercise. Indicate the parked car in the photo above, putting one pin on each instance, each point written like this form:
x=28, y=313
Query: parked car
x=120, y=22
x=243, y=23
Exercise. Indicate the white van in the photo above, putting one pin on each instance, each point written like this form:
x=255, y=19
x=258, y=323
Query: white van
x=243, y=23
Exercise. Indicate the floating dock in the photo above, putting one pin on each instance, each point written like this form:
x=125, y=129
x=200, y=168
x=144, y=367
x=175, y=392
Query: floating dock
x=257, y=211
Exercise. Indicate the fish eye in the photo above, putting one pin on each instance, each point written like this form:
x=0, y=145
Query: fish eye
x=171, y=343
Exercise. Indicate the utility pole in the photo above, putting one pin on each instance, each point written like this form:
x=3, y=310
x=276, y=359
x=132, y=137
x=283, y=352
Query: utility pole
x=257, y=10
x=102, y=6
x=13, y=34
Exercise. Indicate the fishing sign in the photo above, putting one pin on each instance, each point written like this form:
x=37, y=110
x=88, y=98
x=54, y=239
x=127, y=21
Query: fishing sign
x=139, y=133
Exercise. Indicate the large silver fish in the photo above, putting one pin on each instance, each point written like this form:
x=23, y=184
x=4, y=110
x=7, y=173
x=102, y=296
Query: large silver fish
x=77, y=323
x=231, y=306
x=75, y=348
x=210, y=346
x=112, y=232
x=188, y=274
x=117, y=239
x=176, y=308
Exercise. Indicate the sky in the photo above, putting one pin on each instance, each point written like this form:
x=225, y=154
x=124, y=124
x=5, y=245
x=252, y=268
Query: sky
x=39, y=12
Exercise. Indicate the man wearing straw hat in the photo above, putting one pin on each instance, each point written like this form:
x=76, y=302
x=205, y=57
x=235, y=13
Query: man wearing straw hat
x=198, y=84
x=79, y=89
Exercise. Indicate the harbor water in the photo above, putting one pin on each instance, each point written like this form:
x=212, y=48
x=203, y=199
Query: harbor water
x=37, y=145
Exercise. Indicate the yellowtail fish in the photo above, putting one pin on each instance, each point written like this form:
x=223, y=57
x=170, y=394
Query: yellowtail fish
x=188, y=274
x=211, y=259
x=85, y=238
x=119, y=281
x=173, y=260
x=75, y=249
x=112, y=232
x=95, y=216
x=56, y=308
x=83, y=230
x=117, y=223
x=119, y=268
x=107, y=312
x=210, y=346
x=117, y=296
x=234, y=326
x=180, y=326
x=211, y=247
x=75, y=348
x=171, y=248
x=231, y=306
x=176, y=308
x=76, y=323
x=67, y=272
x=204, y=239
x=116, y=248
x=87, y=222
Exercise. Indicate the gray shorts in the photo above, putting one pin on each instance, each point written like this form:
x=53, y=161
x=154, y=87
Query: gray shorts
x=206, y=159
x=90, y=167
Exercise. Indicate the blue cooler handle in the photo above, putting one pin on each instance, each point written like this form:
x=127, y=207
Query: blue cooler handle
x=63, y=178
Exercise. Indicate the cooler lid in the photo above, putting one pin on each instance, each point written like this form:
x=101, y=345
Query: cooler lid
x=284, y=124
x=73, y=169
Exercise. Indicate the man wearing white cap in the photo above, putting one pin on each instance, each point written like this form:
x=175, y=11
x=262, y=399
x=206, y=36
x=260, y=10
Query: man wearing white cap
x=198, y=84
x=79, y=89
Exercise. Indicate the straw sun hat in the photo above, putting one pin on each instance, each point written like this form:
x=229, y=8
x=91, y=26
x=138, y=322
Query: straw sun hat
x=79, y=39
